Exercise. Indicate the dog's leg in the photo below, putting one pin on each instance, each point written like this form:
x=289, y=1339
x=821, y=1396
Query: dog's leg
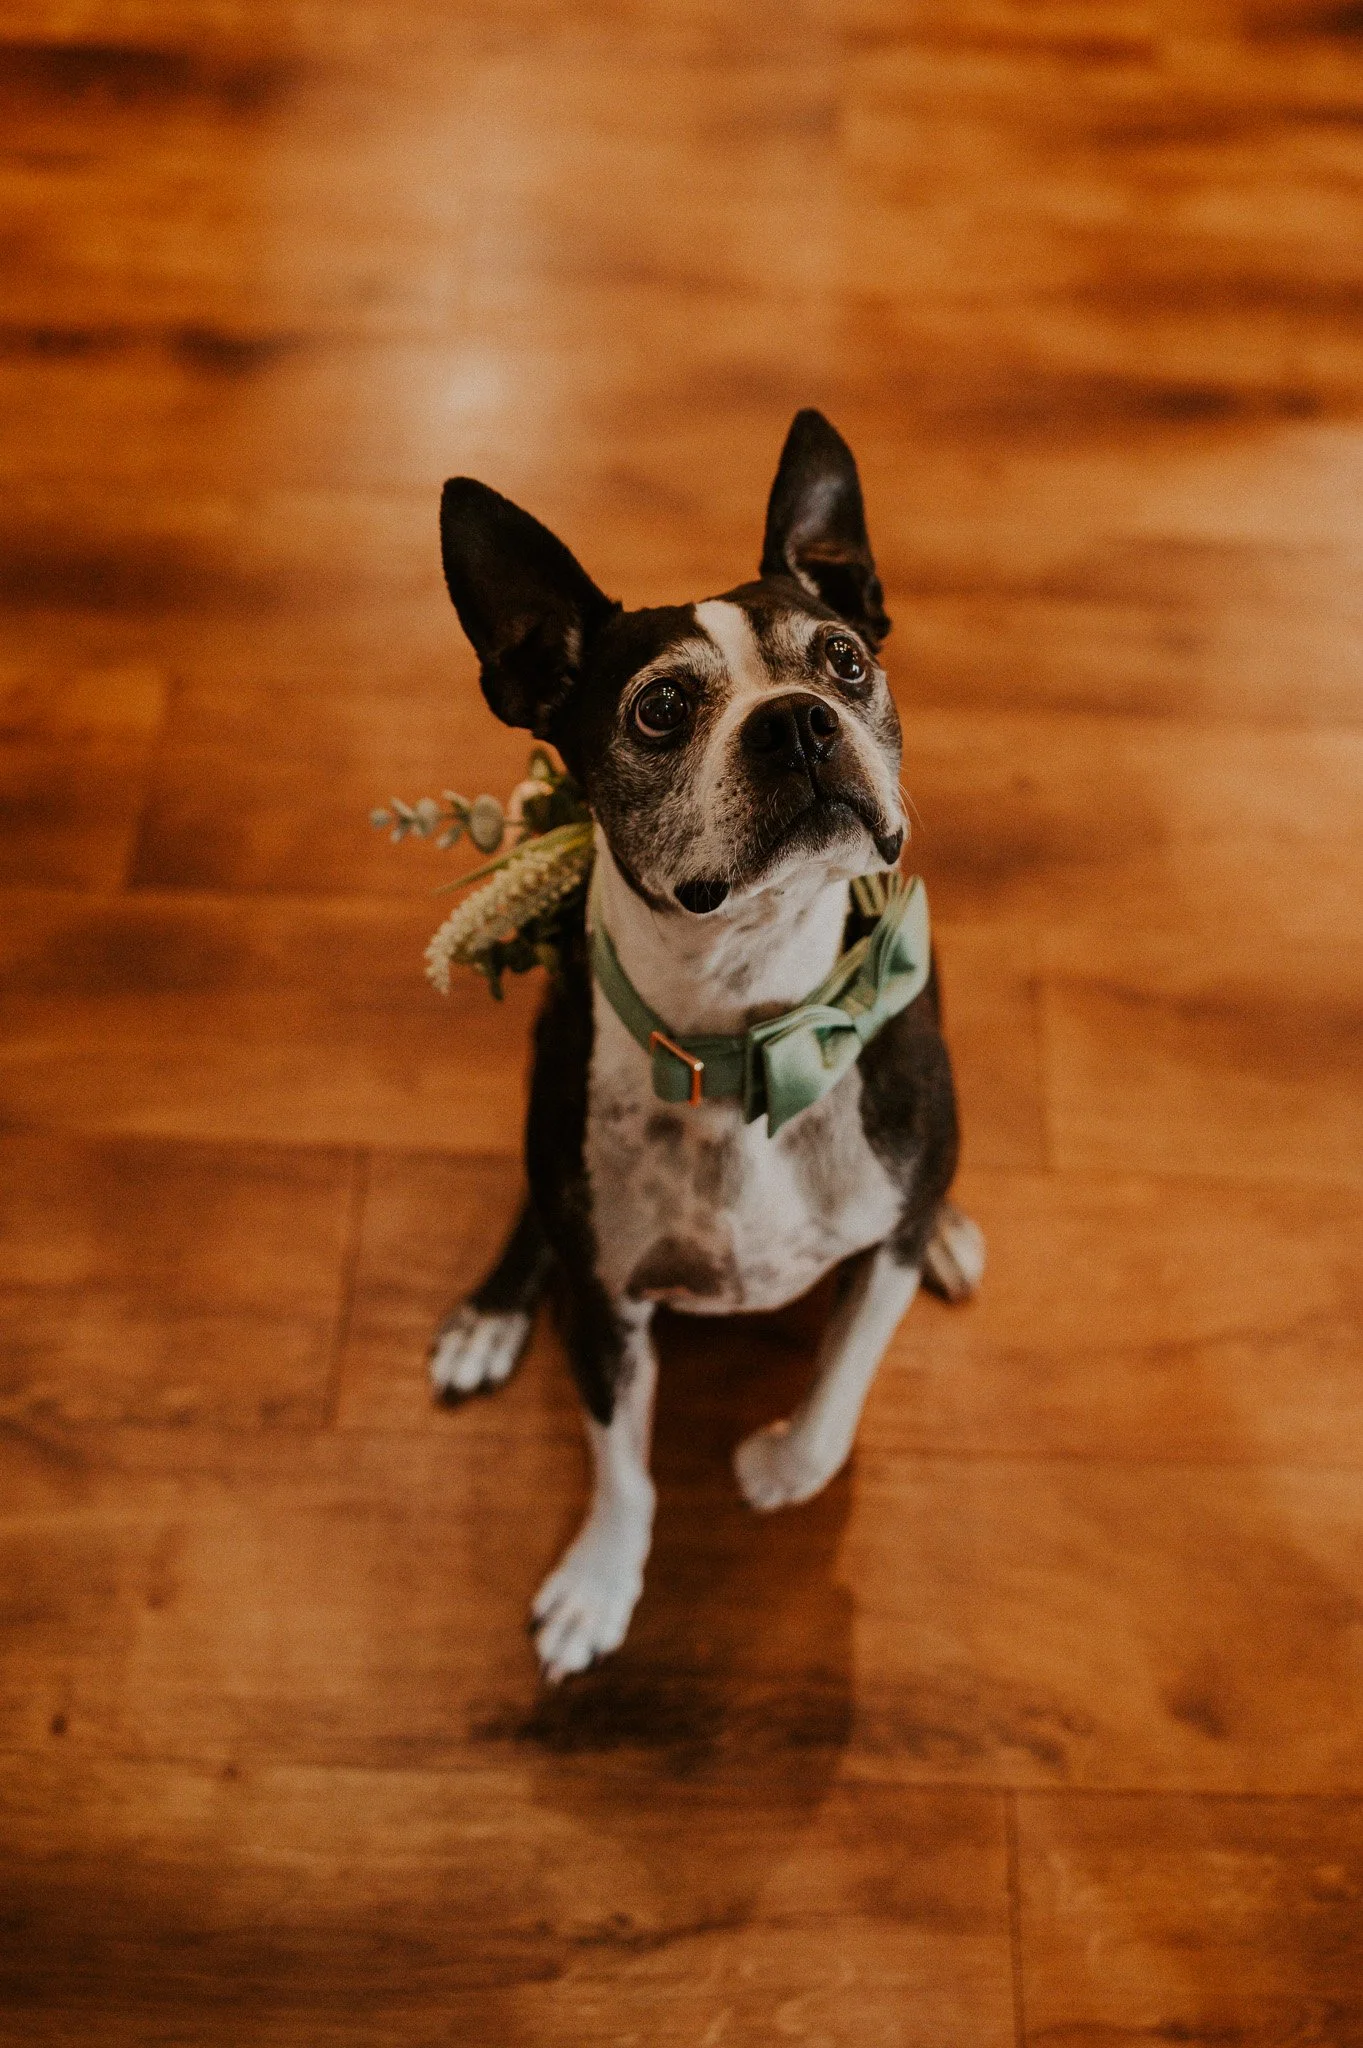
x=583, y=1609
x=953, y=1258
x=479, y=1343
x=791, y=1461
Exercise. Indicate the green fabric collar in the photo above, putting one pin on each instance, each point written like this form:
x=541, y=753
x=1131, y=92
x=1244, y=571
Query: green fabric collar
x=782, y=1066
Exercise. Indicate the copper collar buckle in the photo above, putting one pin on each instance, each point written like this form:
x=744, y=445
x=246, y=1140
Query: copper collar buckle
x=688, y=1059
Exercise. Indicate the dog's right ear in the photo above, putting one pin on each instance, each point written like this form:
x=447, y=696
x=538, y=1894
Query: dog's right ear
x=528, y=607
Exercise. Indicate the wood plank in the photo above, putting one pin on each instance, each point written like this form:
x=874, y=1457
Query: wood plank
x=526, y=1903
x=169, y=160
x=1141, y=1317
x=268, y=785
x=432, y=1227
x=1208, y=1049
x=316, y=585
x=272, y=1020
x=364, y=177
x=992, y=1009
x=1191, y=1920
x=282, y=1576
x=1166, y=825
x=1005, y=598
x=244, y=405
x=1102, y=1623
x=355, y=1599
x=76, y=745
x=1082, y=286
x=143, y=1281
x=163, y=573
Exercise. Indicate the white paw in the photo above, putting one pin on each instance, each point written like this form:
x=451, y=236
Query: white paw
x=474, y=1350
x=583, y=1609
x=954, y=1259
x=776, y=1469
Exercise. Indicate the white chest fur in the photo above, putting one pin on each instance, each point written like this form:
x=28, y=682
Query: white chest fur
x=692, y=1206
x=698, y=1209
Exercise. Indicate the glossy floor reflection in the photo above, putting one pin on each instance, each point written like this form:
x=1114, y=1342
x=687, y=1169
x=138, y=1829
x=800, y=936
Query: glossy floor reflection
x=1043, y=1724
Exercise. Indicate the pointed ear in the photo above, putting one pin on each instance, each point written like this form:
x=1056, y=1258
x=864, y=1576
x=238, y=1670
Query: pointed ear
x=816, y=526
x=528, y=607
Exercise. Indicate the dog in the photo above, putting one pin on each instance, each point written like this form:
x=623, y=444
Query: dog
x=741, y=759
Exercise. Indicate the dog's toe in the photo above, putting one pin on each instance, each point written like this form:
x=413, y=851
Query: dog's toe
x=474, y=1350
x=953, y=1263
x=583, y=1609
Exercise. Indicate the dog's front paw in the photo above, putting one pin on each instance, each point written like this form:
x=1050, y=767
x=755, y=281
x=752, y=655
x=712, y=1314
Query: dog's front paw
x=474, y=1350
x=776, y=1469
x=583, y=1609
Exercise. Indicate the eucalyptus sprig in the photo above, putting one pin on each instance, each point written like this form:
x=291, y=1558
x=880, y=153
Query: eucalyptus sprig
x=447, y=817
x=516, y=920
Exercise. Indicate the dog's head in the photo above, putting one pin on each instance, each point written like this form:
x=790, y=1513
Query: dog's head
x=722, y=745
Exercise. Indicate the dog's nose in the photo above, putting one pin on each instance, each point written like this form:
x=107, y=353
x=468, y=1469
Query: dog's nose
x=791, y=732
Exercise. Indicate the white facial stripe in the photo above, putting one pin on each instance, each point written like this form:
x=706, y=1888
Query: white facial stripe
x=729, y=627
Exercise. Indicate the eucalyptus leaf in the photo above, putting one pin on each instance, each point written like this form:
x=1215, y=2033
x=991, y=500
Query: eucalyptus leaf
x=487, y=823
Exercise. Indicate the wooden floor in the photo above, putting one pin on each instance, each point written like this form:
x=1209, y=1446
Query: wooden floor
x=1045, y=1724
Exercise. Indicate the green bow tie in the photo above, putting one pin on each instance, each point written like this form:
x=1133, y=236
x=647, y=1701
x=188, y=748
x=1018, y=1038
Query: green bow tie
x=781, y=1067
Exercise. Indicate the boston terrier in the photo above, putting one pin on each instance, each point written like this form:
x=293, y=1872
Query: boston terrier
x=739, y=1077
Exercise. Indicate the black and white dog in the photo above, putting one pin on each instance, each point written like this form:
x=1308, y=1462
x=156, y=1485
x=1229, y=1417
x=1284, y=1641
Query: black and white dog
x=741, y=758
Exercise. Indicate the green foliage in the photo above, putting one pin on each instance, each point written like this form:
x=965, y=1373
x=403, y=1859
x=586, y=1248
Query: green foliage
x=515, y=921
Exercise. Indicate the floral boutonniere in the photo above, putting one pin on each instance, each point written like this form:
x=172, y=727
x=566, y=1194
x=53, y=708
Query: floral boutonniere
x=515, y=920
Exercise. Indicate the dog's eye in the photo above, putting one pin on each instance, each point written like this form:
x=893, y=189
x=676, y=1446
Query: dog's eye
x=845, y=658
x=661, y=710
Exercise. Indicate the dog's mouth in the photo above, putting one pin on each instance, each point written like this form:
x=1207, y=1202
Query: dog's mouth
x=806, y=823
x=812, y=828
x=821, y=820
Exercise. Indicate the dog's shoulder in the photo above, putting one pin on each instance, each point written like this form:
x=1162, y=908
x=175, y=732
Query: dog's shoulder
x=908, y=1111
x=555, y=1149
x=557, y=1119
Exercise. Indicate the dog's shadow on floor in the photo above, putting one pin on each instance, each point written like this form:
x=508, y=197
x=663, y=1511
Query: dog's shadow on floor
x=724, y=1716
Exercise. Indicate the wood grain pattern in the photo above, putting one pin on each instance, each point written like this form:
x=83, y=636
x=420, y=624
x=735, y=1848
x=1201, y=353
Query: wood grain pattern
x=432, y=1227
x=582, y=1923
x=143, y=1281
x=1145, y=1316
x=74, y=769
x=1216, y=1050
x=1208, y=1920
x=287, y=1017
x=1040, y=1726
x=354, y=1598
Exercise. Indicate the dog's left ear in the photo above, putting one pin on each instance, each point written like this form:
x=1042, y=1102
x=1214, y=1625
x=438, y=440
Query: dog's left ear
x=816, y=526
x=528, y=606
